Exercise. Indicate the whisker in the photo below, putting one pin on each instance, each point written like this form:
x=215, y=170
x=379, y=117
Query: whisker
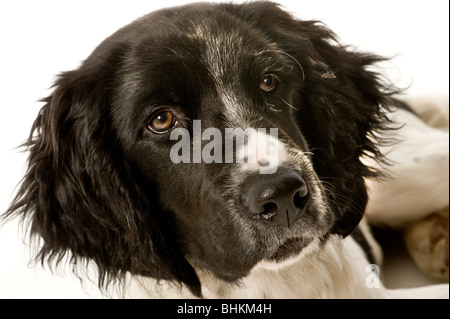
x=288, y=104
x=272, y=108
x=303, y=71
x=290, y=56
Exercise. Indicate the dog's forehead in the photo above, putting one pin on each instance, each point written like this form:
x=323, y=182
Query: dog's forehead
x=228, y=50
x=223, y=46
x=224, y=54
x=216, y=52
x=210, y=55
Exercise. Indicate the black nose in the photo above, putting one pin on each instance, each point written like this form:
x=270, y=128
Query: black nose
x=278, y=199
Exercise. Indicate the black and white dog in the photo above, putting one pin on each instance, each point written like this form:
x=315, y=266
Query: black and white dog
x=109, y=183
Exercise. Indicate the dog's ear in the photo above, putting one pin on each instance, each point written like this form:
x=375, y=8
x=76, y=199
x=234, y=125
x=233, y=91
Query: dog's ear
x=341, y=104
x=80, y=194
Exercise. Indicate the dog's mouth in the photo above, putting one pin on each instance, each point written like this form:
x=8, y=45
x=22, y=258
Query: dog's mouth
x=289, y=248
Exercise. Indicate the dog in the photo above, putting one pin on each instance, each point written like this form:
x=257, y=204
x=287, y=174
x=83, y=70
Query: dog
x=126, y=168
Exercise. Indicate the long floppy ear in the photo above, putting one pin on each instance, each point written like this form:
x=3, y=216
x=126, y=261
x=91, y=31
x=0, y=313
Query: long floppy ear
x=82, y=197
x=341, y=108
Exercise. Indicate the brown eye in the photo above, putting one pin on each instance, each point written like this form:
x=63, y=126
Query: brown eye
x=162, y=122
x=268, y=83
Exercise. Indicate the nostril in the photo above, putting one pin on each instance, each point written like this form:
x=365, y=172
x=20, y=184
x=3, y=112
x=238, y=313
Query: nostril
x=270, y=210
x=300, y=199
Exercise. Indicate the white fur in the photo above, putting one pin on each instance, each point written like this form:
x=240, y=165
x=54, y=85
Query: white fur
x=262, y=152
x=338, y=270
x=419, y=178
x=433, y=110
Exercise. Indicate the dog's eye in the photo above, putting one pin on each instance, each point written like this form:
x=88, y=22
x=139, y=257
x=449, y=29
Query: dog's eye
x=268, y=83
x=162, y=122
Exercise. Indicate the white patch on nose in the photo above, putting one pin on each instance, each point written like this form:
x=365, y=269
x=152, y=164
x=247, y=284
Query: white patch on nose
x=256, y=149
x=259, y=150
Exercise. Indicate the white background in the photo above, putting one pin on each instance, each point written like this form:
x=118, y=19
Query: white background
x=39, y=39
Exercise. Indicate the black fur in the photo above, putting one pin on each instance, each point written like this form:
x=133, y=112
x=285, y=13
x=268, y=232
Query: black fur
x=100, y=187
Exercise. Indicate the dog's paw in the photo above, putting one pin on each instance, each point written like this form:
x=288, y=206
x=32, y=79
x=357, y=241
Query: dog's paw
x=427, y=243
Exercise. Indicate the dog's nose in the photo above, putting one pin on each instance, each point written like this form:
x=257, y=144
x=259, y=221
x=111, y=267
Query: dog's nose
x=278, y=199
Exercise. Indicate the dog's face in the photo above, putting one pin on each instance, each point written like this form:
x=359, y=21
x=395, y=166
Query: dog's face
x=225, y=75
x=103, y=182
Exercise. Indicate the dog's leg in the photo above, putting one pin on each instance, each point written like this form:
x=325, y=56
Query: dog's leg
x=427, y=243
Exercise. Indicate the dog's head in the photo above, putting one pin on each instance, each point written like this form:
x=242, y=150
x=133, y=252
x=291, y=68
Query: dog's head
x=135, y=161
